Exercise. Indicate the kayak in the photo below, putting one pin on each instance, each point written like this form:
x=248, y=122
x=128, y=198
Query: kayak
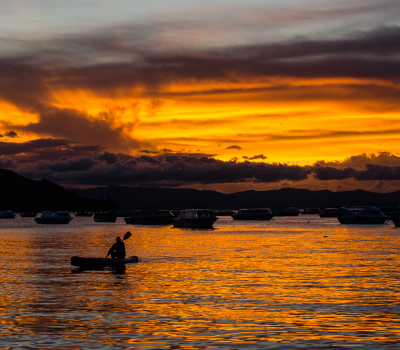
x=102, y=262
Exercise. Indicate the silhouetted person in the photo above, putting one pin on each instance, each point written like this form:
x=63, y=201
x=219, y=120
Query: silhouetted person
x=117, y=250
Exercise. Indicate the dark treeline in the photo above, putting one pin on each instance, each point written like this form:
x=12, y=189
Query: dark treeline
x=19, y=194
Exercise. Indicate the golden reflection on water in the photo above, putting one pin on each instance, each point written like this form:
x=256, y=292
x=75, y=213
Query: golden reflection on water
x=286, y=282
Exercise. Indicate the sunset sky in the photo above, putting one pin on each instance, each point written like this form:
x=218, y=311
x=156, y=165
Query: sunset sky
x=223, y=95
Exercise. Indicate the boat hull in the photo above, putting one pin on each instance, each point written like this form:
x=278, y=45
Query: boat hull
x=253, y=217
x=101, y=262
x=28, y=215
x=363, y=221
x=195, y=222
x=289, y=213
x=105, y=217
x=7, y=216
x=150, y=220
x=53, y=221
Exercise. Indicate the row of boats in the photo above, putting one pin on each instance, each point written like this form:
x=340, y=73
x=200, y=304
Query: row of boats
x=207, y=217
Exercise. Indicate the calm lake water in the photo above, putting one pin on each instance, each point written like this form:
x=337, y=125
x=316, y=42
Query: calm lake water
x=288, y=283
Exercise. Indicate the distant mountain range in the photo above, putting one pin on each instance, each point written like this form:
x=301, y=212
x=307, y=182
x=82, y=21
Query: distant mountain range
x=169, y=198
x=19, y=194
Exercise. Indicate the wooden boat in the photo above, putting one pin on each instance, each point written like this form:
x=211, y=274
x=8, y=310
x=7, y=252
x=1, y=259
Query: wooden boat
x=101, y=262
x=201, y=218
x=108, y=216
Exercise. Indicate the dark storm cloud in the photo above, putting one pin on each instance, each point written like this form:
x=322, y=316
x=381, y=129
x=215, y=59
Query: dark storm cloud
x=110, y=158
x=234, y=147
x=173, y=170
x=81, y=164
x=46, y=149
x=259, y=156
x=26, y=81
x=371, y=172
x=11, y=134
x=6, y=164
x=358, y=161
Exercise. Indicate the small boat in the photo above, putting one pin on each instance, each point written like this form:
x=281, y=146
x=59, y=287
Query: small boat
x=84, y=213
x=309, y=211
x=28, y=214
x=201, y=218
x=8, y=214
x=253, y=214
x=333, y=212
x=292, y=211
x=396, y=221
x=150, y=217
x=105, y=216
x=363, y=215
x=101, y=262
x=390, y=211
x=54, y=218
x=124, y=213
x=224, y=212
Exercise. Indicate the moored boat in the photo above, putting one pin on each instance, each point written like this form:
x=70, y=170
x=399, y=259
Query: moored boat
x=292, y=211
x=224, y=212
x=332, y=212
x=363, y=215
x=253, y=214
x=28, y=214
x=101, y=262
x=201, y=218
x=7, y=214
x=105, y=216
x=309, y=211
x=396, y=221
x=54, y=218
x=150, y=217
x=84, y=213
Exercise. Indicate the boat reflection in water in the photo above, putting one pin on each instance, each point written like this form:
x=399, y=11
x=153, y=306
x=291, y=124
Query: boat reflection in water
x=150, y=217
x=54, y=218
x=202, y=218
x=363, y=215
x=253, y=214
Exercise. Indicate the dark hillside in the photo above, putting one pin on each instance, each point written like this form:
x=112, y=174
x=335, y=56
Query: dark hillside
x=139, y=197
x=18, y=193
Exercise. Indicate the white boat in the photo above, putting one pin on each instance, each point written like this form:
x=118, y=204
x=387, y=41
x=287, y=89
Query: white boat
x=308, y=211
x=203, y=218
x=333, y=212
x=150, y=217
x=253, y=214
x=292, y=211
x=54, y=217
x=363, y=215
x=7, y=214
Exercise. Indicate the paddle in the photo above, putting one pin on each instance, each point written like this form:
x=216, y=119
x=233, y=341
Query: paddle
x=126, y=236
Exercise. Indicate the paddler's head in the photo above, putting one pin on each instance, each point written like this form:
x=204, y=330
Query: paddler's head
x=118, y=239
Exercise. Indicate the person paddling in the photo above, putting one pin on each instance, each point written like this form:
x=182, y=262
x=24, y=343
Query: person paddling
x=117, y=251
